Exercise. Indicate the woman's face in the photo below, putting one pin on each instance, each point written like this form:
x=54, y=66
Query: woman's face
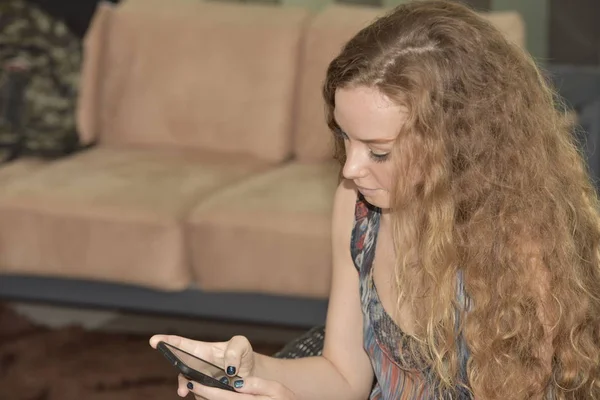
x=369, y=122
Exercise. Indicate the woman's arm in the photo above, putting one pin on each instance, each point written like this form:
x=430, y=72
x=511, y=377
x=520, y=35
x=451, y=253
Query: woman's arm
x=344, y=371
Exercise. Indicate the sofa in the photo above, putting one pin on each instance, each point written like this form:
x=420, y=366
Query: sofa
x=208, y=186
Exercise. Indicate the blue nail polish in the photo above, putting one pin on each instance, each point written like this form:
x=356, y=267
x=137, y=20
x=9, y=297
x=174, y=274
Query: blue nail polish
x=224, y=380
x=190, y=385
x=230, y=370
x=238, y=384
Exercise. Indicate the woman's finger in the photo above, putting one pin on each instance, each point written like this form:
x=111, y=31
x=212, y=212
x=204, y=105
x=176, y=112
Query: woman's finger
x=212, y=393
x=182, y=388
x=261, y=387
x=204, y=350
x=238, y=353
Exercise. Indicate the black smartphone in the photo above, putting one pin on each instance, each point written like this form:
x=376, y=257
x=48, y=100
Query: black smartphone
x=196, y=369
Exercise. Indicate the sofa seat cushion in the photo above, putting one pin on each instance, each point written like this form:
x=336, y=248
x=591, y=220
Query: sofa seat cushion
x=269, y=234
x=19, y=169
x=109, y=214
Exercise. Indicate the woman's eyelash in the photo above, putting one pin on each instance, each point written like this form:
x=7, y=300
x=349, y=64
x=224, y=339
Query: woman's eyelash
x=374, y=156
x=379, y=157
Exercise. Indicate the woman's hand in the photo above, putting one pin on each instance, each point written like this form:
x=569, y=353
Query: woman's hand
x=252, y=388
x=235, y=356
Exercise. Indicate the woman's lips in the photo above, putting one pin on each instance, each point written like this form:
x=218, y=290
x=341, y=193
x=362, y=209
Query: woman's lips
x=366, y=191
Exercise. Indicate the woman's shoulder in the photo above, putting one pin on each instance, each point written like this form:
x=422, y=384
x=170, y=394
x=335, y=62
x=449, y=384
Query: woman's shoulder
x=344, y=203
x=347, y=190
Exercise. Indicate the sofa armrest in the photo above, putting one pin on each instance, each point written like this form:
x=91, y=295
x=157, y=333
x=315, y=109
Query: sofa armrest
x=87, y=102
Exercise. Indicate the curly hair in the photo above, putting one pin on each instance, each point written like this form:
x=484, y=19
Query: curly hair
x=504, y=198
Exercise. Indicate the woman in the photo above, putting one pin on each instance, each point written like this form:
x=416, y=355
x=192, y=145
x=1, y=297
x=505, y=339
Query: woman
x=465, y=229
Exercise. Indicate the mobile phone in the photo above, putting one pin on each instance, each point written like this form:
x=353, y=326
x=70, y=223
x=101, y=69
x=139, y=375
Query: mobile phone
x=196, y=369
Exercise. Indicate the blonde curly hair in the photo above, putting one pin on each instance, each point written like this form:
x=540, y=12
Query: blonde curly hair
x=504, y=198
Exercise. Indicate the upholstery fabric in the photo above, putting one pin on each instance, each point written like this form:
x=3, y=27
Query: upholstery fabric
x=268, y=234
x=194, y=75
x=109, y=214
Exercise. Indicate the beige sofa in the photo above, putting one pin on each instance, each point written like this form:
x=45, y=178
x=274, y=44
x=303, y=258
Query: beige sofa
x=212, y=170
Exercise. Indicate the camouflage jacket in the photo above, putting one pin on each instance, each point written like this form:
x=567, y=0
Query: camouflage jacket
x=49, y=59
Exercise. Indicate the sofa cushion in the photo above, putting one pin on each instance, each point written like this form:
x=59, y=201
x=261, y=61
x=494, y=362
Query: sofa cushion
x=19, y=169
x=326, y=34
x=158, y=72
x=107, y=214
x=268, y=234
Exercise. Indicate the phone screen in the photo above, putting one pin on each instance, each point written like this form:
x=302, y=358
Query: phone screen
x=201, y=365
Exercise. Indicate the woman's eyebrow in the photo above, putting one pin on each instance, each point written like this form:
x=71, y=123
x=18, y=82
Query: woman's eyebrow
x=369, y=141
x=376, y=141
x=366, y=141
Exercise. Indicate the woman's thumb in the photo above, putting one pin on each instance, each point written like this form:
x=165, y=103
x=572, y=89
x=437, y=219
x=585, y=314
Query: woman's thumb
x=238, y=349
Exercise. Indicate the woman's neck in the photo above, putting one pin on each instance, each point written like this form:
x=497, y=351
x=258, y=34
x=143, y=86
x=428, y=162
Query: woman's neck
x=385, y=219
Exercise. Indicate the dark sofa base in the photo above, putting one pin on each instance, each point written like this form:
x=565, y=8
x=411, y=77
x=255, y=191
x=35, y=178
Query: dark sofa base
x=194, y=303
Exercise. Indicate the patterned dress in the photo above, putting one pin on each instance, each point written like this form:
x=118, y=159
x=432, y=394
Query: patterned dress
x=397, y=375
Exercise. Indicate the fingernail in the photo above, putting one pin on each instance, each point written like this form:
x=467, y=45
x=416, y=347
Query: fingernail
x=238, y=384
x=224, y=380
x=190, y=386
x=230, y=370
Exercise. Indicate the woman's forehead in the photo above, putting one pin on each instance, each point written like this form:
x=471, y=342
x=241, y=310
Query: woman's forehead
x=366, y=114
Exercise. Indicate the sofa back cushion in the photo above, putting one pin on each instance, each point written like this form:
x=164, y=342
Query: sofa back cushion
x=192, y=74
x=326, y=34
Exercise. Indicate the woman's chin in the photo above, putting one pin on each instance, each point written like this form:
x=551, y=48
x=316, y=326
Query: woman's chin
x=378, y=200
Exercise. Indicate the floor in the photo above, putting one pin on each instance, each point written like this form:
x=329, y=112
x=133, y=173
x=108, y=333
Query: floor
x=56, y=317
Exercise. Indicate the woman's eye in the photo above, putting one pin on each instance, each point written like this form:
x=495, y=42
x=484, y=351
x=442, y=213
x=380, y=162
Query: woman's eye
x=379, y=157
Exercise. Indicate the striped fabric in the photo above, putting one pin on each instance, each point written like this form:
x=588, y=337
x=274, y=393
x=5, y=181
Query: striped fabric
x=397, y=375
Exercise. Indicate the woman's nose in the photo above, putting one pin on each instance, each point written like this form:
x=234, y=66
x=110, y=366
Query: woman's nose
x=354, y=167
